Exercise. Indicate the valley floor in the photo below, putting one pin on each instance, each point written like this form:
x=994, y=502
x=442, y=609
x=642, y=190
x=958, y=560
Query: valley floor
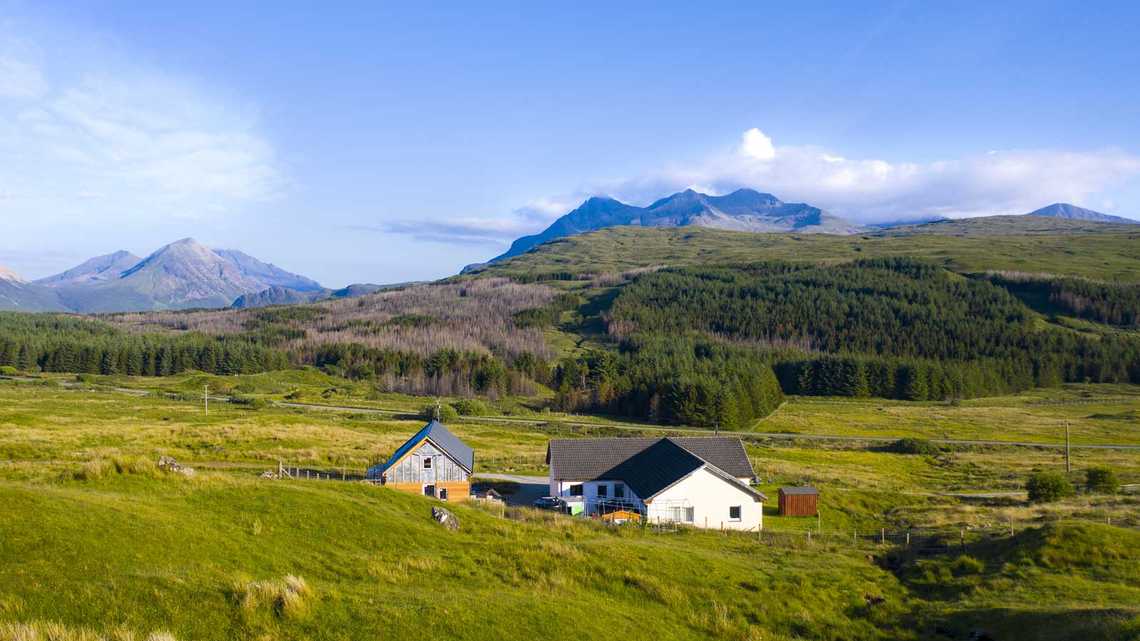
x=95, y=537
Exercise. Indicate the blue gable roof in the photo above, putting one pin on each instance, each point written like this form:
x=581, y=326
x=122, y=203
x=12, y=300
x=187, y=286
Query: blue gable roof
x=441, y=438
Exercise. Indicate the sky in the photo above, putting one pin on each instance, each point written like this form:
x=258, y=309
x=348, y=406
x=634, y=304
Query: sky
x=383, y=142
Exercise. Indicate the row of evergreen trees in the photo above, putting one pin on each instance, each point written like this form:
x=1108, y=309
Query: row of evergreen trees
x=445, y=371
x=148, y=355
x=1110, y=303
x=670, y=380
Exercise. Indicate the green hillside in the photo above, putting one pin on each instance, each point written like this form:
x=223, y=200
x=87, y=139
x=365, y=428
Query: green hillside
x=1091, y=250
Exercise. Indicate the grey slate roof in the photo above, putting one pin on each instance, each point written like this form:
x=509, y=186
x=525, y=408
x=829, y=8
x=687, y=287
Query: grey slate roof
x=654, y=468
x=444, y=440
x=807, y=489
x=584, y=459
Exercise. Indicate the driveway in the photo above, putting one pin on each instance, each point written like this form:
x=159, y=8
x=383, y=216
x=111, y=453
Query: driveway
x=529, y=487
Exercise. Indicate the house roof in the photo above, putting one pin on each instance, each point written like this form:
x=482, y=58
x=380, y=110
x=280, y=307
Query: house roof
x=441, y=438
x=654, y=468
x=807, y=489
x=583, y=459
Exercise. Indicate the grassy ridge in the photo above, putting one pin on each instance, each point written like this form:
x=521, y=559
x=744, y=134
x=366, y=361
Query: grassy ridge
x=1102, y=252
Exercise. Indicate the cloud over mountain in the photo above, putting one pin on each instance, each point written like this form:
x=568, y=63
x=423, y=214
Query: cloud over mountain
x=865, y=190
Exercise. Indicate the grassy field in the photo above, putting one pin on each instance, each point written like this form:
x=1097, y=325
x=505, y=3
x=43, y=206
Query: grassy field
x=1093, y=251
x=1094, y=413
x=139, y=551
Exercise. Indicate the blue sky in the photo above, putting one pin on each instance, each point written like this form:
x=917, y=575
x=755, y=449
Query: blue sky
x=358, y=142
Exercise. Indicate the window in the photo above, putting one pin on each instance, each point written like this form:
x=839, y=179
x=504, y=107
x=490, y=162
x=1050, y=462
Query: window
x=603, y=490
x=576, y=489
x=429, y=490
x=443, y=493
x=427, y=463
x=734, y=513
x=682, y=514
x=619, y=491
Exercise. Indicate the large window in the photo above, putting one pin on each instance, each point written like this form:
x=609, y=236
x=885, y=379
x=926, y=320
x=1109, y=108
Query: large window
x=619, y=491
x=603, y=491
x=576, y=489
x=734, y=513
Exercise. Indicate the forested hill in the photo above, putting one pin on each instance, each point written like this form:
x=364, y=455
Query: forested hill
x=681, y=326
x=887, y=327
x=1009, y=243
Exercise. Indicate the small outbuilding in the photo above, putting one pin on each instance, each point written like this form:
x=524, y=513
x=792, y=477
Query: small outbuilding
x=433, y=462
x=799, y=501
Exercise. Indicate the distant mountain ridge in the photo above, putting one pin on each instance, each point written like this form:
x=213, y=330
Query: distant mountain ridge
x=1072, y=212
x=182, y=275
x=285, y=296
x=101, y=268
x=741, y=210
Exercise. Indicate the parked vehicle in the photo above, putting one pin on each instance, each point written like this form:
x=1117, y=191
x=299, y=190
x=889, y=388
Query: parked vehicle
x=548, y=503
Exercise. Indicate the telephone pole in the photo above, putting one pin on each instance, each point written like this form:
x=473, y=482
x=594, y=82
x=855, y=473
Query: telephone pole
x=206, y=398
x=1068, y=451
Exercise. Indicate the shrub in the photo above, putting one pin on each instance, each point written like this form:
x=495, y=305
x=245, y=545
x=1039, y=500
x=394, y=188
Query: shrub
x=248, y=402
x=966, y=564
x=446, y=412
x=915, y=446
x=1046, y=487
x=1102, y=480
x=471, y=407
x=8, y=370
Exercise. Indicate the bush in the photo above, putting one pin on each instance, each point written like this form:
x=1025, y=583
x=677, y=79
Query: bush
x=966, y=564
x=471, y=407
x=915, y=446
x=446, y=412
x=1046, y=487
x=249, y=402
x=8, y=370
x=1102, y=480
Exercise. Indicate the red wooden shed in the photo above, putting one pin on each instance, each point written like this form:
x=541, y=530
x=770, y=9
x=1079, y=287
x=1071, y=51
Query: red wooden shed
x=799, y=501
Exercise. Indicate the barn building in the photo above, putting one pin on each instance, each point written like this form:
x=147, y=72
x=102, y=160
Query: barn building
x=433, y=462
x=699, y=481
x=798, y=501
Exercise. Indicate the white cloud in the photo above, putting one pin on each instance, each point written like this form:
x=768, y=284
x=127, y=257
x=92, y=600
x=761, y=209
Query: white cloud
x=757, y=145
x=118, y=144
x=870, y=189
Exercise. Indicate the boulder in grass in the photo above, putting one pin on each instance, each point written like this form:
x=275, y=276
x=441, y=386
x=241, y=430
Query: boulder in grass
x=170, y=464
x=445, y=518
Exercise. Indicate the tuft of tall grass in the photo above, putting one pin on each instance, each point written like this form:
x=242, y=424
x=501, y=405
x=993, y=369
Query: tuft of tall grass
x=55, y=631
x=287, y=597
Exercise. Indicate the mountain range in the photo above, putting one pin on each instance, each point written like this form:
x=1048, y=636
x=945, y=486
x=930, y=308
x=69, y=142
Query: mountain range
x=186, y=274
x=741, y=210
x=182, y=275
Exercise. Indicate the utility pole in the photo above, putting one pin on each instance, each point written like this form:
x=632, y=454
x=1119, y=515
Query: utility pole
x=206, y=398
x=1068, y=451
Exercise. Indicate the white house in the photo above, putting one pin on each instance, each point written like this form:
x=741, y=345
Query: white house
x=699, y=481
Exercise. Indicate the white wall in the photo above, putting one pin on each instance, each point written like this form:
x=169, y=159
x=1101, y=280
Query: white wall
x=710, y=496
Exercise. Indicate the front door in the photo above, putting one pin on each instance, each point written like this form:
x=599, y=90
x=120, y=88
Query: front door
x=429, y=490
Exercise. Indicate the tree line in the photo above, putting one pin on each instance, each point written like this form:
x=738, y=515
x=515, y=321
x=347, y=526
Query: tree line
x=1109, y=303
x=672, y=380
x=66, y=344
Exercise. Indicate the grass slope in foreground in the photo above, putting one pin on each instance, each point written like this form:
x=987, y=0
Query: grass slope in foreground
x=219, y=558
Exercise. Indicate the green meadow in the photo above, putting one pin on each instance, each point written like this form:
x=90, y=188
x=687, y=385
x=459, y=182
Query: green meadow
x=96, y=541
